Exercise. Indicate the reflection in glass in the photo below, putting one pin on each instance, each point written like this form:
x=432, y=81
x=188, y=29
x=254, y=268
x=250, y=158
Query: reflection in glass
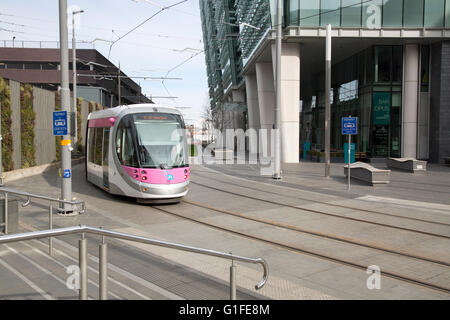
x=351, y=13
x=392, y=13
x=309, y=12
x=330, y=12
x=413, y=14
x=434, y=14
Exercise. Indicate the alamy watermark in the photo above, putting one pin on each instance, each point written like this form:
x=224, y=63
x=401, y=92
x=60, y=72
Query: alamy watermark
x=73, y=280
x=374, y=280
x=250, y=147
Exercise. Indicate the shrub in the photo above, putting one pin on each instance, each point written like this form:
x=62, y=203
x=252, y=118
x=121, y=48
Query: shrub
x=27, y=117
x=7, y=141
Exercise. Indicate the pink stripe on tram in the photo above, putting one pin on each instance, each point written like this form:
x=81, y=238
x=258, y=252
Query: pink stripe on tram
x=102, y=122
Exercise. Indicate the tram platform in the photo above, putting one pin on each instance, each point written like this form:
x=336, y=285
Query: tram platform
x=161, y=273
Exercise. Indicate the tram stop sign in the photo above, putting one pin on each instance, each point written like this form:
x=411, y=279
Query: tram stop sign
x=350, y=125
x=59, y=123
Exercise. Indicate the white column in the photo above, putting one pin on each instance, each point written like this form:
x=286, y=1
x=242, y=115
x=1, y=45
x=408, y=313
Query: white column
x=266, y=98
x=410, y=100
x=252, y=111
x=290, y=101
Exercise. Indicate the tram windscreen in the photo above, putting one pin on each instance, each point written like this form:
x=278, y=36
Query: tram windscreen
x=161, y=140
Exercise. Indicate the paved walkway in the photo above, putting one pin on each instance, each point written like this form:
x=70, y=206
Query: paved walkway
x=292, y=275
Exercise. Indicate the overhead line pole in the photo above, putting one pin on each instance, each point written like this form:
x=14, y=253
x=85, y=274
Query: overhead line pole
x=277, y=132
x=66, y=165
x=327, y=100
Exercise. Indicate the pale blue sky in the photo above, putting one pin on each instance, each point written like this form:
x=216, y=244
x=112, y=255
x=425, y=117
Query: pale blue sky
x=153, y=49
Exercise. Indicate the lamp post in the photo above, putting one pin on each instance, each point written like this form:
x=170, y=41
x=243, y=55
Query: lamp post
x=66, y=161
x=74, y=69
x=277, y=132
x=327, y=100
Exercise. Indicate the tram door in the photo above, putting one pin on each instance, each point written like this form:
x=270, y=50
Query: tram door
x=105, y=157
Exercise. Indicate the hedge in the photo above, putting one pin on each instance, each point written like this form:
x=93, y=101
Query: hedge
x=7, y=139
x=27, y=117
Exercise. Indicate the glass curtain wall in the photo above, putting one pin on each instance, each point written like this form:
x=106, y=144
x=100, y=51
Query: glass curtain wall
x=367, y=85
x=367, y=13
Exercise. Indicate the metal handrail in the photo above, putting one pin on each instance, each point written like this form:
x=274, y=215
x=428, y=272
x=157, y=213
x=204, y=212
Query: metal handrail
x=7, y=191
x=130, y=237
x=30, y=195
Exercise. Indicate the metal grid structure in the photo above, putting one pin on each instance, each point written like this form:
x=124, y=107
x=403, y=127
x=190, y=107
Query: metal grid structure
x=255, y=13
x=228, y=40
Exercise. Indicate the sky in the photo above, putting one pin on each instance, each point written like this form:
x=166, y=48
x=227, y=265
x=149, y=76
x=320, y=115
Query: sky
x=168, y=45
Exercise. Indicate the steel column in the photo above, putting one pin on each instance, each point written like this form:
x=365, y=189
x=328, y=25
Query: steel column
x=103, y=271
x=82, y=246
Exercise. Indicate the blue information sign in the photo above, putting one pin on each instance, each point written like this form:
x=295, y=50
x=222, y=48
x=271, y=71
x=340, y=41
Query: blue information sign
x=60, y=123
x=66, y=173
x=349, y=125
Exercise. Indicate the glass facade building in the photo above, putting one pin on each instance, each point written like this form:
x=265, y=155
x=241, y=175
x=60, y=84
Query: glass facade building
x=367, y=85
x=390, y=65
x=368, y=13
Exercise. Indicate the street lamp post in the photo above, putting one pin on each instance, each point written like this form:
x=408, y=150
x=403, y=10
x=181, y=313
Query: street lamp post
x=327, y=100
x=74, y=69
x=66, y=164
x=277, y=132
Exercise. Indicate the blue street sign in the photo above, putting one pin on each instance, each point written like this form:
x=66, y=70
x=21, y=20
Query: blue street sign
x=66, y=173
x=60, y=123
x=349, y=125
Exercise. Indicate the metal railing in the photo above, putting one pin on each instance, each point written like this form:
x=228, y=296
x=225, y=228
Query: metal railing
x=83, y=294
x=30, y=196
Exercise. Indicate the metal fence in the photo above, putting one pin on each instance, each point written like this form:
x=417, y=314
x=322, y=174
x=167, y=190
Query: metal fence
x=42, y=44
x=103, y=264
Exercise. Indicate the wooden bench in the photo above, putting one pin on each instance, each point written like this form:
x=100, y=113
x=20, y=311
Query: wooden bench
x=365, y=172
x=407, y=164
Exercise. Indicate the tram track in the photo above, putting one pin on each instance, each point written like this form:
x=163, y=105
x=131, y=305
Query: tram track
x=322, y=202
x=326, y=213
x=302, y=250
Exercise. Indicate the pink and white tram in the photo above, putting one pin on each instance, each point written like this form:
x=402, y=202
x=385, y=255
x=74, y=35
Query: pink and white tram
x=138, y=151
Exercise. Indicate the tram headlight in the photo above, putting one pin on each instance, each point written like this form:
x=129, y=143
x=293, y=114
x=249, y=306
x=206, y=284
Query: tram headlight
x=144, y=178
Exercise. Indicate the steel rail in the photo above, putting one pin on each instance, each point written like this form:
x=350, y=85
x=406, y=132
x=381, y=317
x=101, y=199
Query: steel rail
x=124, y=236
x=323, y=212
x=300, y=250
x=322, y=202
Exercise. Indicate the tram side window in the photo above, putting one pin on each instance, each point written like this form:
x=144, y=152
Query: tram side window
x=91, y=144
x=125, y=147
x=98, y=146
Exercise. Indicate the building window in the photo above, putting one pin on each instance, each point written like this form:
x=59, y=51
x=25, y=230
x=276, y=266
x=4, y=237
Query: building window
x=397, y=63
x=309, y=12
x=351, y=13
x=413, y=13
x=49, y=66
x=434, y=13
x=392, y=13
x=383, y=63
x=330, y=12
x=293, y=12
x=14, y=65
x=32, y=65
x=424, y=68
x=447, y=13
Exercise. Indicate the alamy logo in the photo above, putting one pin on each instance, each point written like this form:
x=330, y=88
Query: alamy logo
x=73, y=281
x=374, y=280
x=373, y=17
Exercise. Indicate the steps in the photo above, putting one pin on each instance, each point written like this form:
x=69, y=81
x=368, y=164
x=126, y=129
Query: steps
x=28, y=272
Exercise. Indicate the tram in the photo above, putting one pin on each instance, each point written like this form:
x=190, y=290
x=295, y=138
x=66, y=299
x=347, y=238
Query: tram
x=138, y=151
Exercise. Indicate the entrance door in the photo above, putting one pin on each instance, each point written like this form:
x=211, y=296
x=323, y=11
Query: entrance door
x=381, y=120
x=105, y=157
